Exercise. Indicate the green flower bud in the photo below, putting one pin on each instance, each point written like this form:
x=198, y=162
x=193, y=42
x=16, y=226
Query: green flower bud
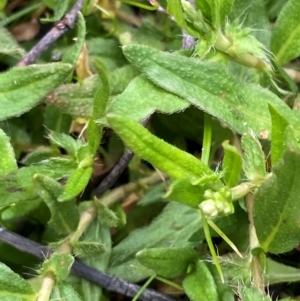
x=209, y=208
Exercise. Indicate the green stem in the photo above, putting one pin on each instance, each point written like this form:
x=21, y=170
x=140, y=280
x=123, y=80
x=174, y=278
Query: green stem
x=229, y=242
x=141, y=5
x=211, y=246
x=138, y=294
x=206, y=139
x=20, y=14
x=46, y=287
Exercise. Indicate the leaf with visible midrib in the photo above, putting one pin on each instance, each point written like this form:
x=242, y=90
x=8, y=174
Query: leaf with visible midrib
x=285, y=43
x=13, y=286
x=23, y=87
x=276, y=206
x=210, y=87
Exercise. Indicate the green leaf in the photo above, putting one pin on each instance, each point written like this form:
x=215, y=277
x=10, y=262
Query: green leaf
x=121, y=77
x=252, y=294
x=64, y=216
x=220, y=9
x=8, y=44
x=183, y=191
x=179, y=223
x=64, y=291
x=174, y=9
x=275, y=212
x=14, y=287
x=254, y=159
x=106, y=216
x=279, y=126
x=278, y=273
x=142, y=98
x=7, y=159
x=59, y=264
x=285, y=43
x=169, y=159
x=88, y=249
x=96, y=232
x=99, y=105
x=17, y=186
x=60, y=9
x=199, y=285
x=23, y=87
x=66, y=142
x=232, y=164
x=224, y=291
x=76, y=183
x=211, y=87
x=55, y=120
x=167, y=262
x=76, y=99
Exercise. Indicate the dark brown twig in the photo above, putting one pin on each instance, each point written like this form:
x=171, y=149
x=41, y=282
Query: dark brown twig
x=103, y=280
x=114, y=174
x=60, y=28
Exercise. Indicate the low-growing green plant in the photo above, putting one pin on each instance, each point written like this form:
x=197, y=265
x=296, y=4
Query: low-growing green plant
x=214, y=176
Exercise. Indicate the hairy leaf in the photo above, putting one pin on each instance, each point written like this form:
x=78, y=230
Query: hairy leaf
x=279, y=125
x=14, y=287
x=285, y=43
x=7, y=159
x=200, y=285
x=64, y=216
x=169, y=159
x=211, y=87
x=254, y=158
x=142, y=98
x=167, y=262
x=232, y=164
x=23, y=87
x=276, y=206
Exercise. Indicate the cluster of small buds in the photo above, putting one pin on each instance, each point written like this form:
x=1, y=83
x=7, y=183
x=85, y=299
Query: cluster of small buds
x=195, y=17
x=217, y=203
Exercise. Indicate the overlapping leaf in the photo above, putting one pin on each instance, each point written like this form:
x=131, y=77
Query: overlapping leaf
x=210, y=87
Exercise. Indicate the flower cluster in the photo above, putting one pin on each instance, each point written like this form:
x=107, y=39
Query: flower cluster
x=217, y=203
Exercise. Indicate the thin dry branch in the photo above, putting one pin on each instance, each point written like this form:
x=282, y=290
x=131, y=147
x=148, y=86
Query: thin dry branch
x=103, y=280
x=59, y=29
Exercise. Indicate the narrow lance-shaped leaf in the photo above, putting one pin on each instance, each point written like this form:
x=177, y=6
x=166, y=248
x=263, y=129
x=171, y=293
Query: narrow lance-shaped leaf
x=279, y=125
x=276, y=206
x=23, y=87
x=64, y=216
x=169, y=159
x=76, y=183
x=220, y=9
x=101, y=99
x=7, y=159
x=211, y=87
x=254, y=159
x=14, y=287
x=232, y=164
x=199, y=285
x=285, y=43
